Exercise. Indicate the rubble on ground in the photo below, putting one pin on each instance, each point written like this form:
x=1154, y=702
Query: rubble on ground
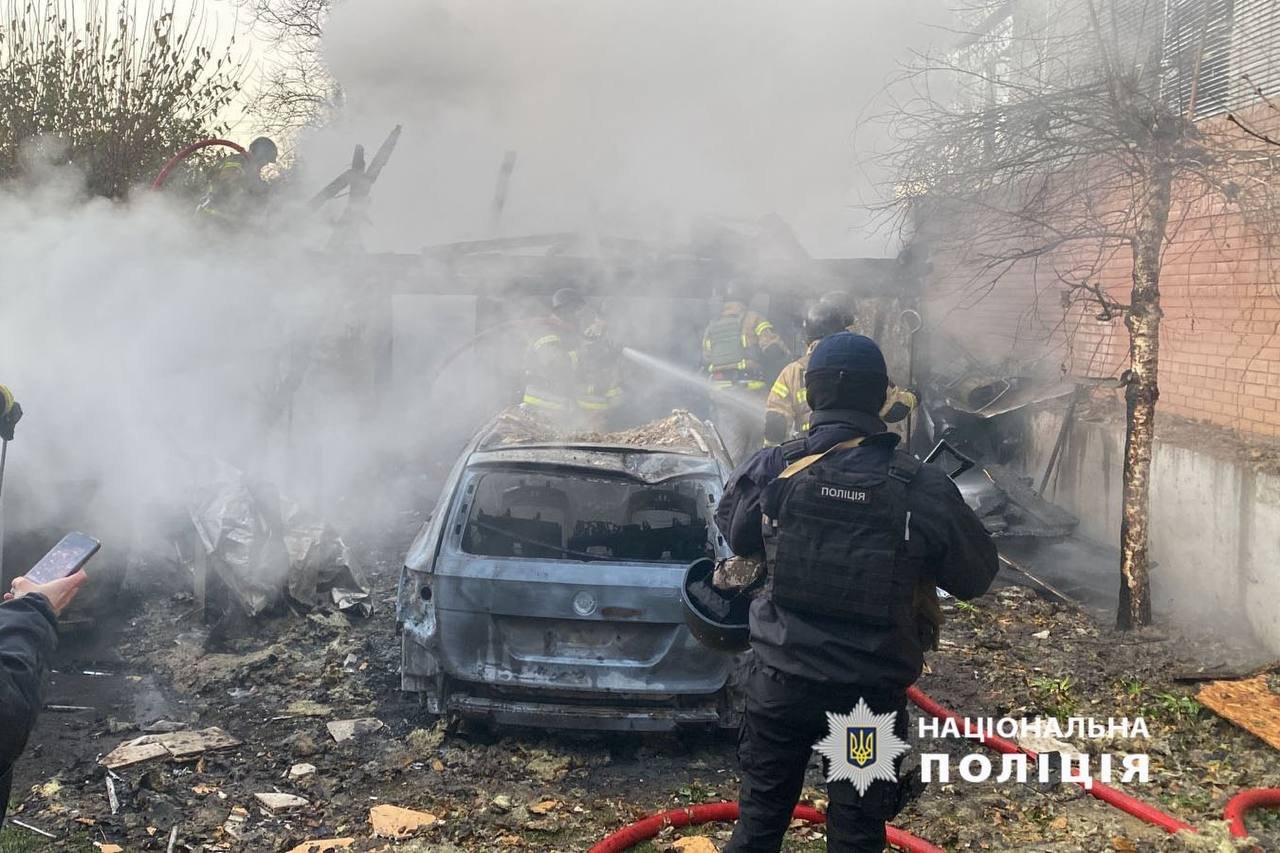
x=176, y=745
x=545, y=791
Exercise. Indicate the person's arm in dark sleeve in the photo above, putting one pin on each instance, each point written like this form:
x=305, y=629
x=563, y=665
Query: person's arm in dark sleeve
x=28, y=636
x=738, y=514
x=962, y=555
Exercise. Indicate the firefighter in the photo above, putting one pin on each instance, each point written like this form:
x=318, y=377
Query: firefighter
x=852, y=530
x=599, y=378
x=742, y=353
x=787, y=409
x=10, y=414
x=237, y=192
x=553, y=358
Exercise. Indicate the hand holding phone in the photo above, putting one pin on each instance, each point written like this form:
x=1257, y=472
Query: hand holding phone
x=59, y=592
x=58, y=575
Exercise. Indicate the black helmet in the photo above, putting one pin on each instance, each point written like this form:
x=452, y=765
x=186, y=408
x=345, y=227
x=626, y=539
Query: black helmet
x=826, y=318
x=566, y=299
x=263, y=150
x=846, y=371
x=717, y=620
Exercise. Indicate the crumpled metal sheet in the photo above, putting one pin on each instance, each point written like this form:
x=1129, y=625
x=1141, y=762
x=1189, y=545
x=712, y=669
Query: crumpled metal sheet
x=264, y=547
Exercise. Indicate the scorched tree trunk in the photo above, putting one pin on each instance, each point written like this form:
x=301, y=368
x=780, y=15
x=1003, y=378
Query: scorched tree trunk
x=1141, y=392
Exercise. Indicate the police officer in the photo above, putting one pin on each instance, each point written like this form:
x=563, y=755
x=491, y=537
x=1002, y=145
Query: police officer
x=742, y=353
x=852, y=531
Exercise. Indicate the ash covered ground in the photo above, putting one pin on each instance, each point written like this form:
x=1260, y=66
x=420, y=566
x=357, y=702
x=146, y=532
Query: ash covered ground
x=275, y=684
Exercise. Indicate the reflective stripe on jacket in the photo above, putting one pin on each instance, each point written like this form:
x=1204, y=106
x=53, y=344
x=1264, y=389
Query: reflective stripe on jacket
x=755, y=335
x=788, y=396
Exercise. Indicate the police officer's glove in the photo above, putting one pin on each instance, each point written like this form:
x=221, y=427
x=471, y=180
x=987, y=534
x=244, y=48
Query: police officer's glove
x=10, y=413
x=929, y=615
x=910, y=788
x=898, y=403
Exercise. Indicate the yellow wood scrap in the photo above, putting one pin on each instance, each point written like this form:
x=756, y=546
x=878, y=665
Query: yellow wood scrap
x=320, y=845
x=694, y=844
x=390, y=821
x=1249, y=703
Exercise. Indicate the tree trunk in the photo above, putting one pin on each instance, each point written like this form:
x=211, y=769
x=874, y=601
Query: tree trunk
x=1141, y=392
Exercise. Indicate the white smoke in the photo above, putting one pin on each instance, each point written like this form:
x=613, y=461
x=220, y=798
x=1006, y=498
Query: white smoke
x=630, y=116
x=133, y=334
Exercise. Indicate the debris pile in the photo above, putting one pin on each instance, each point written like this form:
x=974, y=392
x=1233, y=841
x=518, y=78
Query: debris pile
x=678, y=431
x=293, y=699
x=179, y=746
x=264, y=547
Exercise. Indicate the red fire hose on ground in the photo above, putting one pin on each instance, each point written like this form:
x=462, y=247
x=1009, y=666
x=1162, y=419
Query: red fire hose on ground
x=642, y=830
x=1246, y=800
x=186, y=152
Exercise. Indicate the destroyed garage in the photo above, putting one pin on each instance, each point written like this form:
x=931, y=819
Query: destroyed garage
x=679, y=426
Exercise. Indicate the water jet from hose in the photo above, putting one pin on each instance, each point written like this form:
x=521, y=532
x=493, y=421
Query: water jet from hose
x=746, y=404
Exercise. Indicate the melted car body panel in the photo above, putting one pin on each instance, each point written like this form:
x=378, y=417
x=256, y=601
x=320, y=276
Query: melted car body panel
x=545, y=590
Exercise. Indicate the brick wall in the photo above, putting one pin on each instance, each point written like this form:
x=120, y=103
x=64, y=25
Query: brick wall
x=1220, y=336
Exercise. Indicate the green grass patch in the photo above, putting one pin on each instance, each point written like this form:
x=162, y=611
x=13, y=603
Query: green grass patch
x=15, y=839
x=1056, y=696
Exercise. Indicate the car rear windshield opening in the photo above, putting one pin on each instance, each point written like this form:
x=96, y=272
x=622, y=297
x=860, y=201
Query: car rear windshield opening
x=570, y=517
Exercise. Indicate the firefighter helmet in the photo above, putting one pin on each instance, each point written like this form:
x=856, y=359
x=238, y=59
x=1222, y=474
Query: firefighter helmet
x=826, y=318
x=263, y=150
x=566, y=299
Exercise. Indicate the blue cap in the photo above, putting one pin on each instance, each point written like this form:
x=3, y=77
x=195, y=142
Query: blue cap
x=848, y=352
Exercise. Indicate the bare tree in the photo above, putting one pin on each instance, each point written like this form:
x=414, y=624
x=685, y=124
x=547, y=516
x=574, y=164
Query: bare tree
x=1065, y=135
x=296, y=89
x=107, y=89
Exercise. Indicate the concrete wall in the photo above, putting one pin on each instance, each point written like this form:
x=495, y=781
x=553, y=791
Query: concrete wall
x=1215, y=523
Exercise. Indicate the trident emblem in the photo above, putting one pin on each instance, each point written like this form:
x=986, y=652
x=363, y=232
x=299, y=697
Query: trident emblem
x=862, y=745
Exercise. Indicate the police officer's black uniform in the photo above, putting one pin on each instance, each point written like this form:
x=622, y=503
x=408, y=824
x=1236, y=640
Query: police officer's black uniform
x=851, y=536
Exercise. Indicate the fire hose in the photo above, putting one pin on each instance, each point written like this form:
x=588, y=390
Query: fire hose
x=642, y=830
x=649, y=827
x=186, y=152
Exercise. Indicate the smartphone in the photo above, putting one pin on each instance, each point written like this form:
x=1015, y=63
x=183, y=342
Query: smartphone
x=65, y=558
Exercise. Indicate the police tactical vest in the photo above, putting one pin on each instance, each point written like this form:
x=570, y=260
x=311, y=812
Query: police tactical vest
x=724, y=345
x=836, y=536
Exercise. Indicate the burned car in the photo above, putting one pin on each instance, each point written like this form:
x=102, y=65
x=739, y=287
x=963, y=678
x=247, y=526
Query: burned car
x=545, y=589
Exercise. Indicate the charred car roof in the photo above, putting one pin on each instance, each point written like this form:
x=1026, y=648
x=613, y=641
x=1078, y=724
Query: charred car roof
x=643, y=464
